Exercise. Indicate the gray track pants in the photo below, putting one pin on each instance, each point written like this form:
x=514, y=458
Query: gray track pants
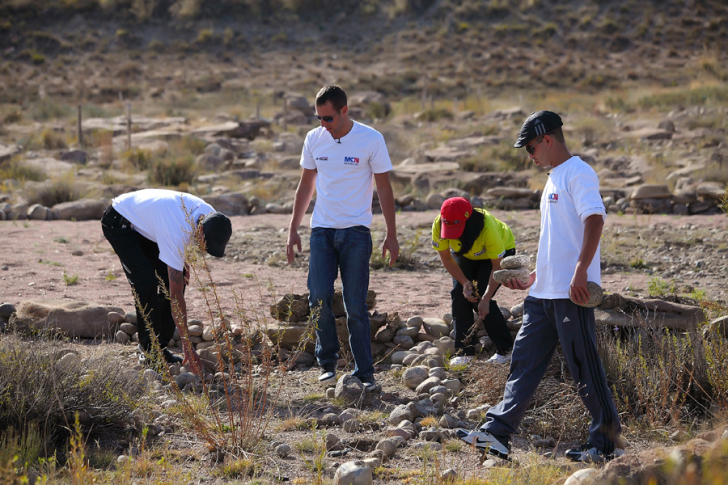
x=545, y=323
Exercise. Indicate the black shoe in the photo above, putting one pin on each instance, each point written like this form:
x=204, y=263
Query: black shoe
x=486, y=442
x=370, y=385
x=587, y=453
x=328, y=373
x=171, y=358
x=147, y=361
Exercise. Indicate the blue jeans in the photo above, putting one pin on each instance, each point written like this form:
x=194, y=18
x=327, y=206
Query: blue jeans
x=349, y=250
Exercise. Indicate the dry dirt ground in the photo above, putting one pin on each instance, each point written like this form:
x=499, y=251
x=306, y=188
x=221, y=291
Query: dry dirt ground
x=35, y=255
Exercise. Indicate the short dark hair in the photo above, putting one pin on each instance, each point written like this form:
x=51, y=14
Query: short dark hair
x=558, y=134
x=332, y=93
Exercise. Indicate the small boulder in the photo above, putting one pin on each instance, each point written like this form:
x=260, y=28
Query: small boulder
x=353, y=473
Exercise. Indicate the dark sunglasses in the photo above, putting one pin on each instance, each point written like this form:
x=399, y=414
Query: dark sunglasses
x=327, y=119
x=532, y=148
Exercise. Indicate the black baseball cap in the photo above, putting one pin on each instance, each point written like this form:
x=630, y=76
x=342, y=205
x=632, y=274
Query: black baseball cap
x=217, y=229
x=537, y=124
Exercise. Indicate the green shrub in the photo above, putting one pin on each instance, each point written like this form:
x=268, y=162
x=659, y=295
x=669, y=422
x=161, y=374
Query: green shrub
x=171, y=171
x=138, y=158
x=55, y=192
x=193, y=145
x=434, y=114
x=13, y=117
x=204, y=36
x=659, y=287
x=12, y=169
x=70, y=280
x=52, y=140
x=638, y=263
x=47, y=109
x=705, y=95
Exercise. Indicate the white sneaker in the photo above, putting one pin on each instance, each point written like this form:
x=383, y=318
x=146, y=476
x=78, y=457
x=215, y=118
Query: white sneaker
x=484, y=441
x=500, y=359
x=461, y=360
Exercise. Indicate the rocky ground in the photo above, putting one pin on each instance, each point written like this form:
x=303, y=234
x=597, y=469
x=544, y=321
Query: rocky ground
x=637, y=251
x=643, y=95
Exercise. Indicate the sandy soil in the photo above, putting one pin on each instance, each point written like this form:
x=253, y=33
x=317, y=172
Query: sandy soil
x=36, y=255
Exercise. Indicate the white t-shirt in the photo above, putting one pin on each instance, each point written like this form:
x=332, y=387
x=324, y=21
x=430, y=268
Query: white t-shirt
x=570, y=196
x=344, y=182
x=157, y=214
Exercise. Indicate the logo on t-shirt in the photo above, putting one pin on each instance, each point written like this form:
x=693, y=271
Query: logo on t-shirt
x=351, y=160
x=553, y=198
x=323, y=159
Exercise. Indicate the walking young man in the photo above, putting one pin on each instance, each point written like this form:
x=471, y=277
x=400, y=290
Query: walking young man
x=572, y=217
x=149, y=230
x=342, y=159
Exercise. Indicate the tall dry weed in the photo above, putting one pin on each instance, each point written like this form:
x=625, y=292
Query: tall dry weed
x=243, y=371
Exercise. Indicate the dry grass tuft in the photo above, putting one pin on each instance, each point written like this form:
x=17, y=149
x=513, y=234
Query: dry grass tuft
x=54, y=192
x=36, y=387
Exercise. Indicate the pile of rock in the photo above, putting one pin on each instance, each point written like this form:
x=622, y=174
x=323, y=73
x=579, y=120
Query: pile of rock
x=688, y=199
x=390, y=335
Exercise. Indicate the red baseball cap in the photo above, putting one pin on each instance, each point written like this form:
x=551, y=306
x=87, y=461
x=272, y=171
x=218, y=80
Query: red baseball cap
x=453, y=214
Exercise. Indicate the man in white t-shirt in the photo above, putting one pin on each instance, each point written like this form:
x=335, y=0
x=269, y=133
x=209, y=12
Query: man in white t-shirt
x=149, y=230
x=572, y=217
x=342, y=159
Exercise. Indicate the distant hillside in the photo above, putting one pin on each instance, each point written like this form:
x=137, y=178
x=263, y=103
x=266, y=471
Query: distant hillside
x=99, y=48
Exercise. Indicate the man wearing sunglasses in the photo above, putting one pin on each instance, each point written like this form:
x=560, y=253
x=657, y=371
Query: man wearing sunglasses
x=342, y=159
x=572, y=217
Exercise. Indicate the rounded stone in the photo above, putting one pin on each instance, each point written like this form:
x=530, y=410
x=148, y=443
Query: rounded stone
x=503, y=275
x=122, y=337
x=283, y=450
x=414, y=376
x=595, y=295
x=353, y=473
x=515, y=262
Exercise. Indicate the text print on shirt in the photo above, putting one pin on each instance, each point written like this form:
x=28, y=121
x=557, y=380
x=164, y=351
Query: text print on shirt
x=351, y=160
x=553, y=198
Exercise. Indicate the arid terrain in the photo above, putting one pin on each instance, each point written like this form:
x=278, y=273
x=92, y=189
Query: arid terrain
x=220, y=97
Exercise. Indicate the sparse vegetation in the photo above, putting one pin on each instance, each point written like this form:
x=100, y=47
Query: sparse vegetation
x=13, y=169
x=70, y=280
x=54, y=192
x=661, y=288
x=466, y=61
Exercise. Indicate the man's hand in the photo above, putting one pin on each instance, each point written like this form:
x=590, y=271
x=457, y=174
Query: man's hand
x=483, y=308
x=469, y=292
x=293, y=240
x=390, y=244
x=577, y=289
x=192, y=360
x=515, y=284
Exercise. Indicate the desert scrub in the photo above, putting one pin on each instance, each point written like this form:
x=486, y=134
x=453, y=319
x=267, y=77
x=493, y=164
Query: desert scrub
x=54, y=192
x=172, y=171
x=407, y=254
x=38, y=386
x=660, y=288
x=70, y=280
x=13, y=169
x=138, y=159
